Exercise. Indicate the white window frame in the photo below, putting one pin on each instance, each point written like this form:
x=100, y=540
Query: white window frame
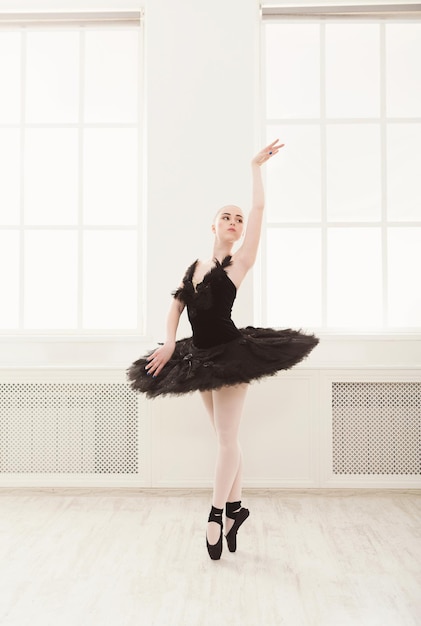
x=273, y=13
x=79, y=21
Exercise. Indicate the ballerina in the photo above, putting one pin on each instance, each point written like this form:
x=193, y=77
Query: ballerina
x=219, y=360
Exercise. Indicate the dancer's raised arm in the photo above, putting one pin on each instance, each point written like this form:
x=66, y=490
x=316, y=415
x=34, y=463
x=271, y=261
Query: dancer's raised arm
x=246, y=254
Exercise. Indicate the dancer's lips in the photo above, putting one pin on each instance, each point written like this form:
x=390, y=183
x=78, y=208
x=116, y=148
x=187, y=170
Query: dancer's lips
x=233, y=229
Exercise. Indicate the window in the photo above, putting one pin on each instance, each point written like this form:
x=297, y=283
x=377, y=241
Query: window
x=70, y=157
x=343, y=238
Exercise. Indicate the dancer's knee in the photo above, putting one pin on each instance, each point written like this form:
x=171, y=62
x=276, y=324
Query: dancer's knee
x=228, y=443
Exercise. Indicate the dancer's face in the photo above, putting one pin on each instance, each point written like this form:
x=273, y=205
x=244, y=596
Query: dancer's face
x=229, y=223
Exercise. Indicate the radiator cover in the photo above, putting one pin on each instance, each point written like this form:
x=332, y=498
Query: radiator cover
x=376, y=428
x=82, y=428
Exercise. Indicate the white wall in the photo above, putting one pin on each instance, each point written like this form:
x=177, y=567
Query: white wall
x=202, y=129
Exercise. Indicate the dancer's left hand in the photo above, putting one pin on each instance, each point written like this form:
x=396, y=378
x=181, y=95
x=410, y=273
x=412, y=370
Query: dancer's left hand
x=267, y=153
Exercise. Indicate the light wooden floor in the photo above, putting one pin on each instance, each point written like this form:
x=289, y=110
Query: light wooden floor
x=127, y=558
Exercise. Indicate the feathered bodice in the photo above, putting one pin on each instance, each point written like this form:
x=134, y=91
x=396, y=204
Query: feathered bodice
x=209, y=305
x=201, y=296
x=219, y=354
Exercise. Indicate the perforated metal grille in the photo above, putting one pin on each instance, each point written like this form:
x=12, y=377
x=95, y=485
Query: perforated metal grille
x=376, y=428
x=68, y=428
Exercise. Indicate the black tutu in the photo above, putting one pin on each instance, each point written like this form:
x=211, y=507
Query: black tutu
x=256, y=353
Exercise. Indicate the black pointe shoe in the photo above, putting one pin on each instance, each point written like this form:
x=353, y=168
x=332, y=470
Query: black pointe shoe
x=215, y=549
x=235, y=511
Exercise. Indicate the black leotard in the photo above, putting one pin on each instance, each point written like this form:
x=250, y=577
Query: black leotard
x=209, y=305
x=219, y=354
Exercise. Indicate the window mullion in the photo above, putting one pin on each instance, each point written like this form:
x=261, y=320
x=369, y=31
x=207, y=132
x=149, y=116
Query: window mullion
x=141, y=224
x=383, y=170
x=22, y=181
x=323, y=168
x=81, y=180
x=261, y=288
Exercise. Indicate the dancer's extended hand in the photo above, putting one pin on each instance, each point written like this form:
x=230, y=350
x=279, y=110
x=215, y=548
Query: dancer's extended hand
x=159, y=358
x=267, y=153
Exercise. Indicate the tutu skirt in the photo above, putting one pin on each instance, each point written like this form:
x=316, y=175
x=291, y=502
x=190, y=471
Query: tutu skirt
x=256, y=353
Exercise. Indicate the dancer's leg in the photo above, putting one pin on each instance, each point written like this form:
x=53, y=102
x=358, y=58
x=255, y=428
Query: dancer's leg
x=208, y=402
x=235, y=493
x=236, y=489
x=227, y=410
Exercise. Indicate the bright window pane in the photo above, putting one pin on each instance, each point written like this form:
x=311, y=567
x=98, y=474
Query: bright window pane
x=293, y=178
x=109, y=280
x=10, y=61
x=10, y=176
x=403, y=70
x=50, y=280
x=9, y=279
x=354, y=278
x=111, y=176
x=292, y=70
x=52, y=76
x=358, y=167
x=294, y=277
x=111, y=76
x=353, y=172
x=352, y=71
x=403, y=172
x=404, y=263
x=51, y=176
